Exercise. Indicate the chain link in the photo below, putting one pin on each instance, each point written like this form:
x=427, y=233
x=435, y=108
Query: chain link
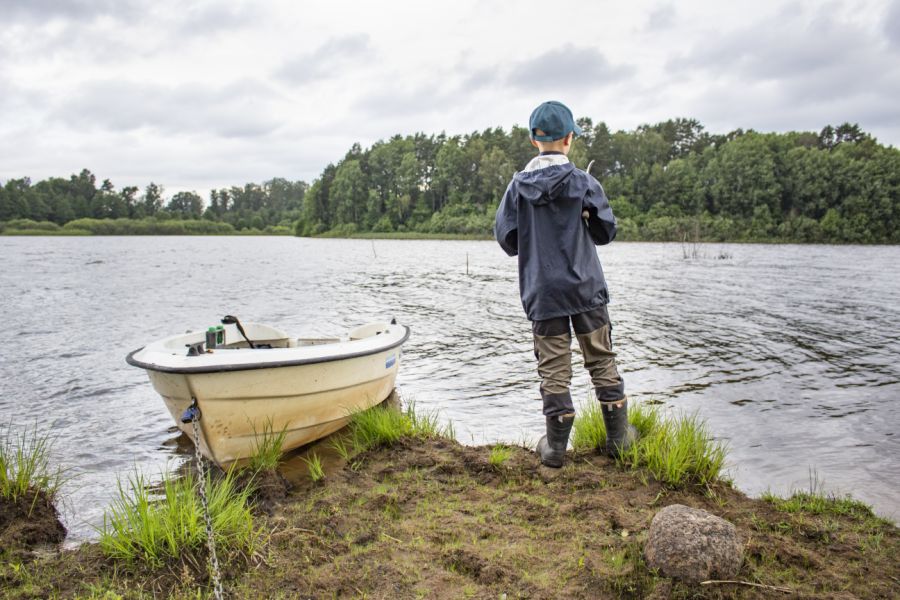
x=210, y=542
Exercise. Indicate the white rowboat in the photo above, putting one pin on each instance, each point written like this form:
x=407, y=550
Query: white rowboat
x=306, y=387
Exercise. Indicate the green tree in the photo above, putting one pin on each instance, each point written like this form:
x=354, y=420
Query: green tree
x=349, y=193
x=742, y=177
x=152, y=200
x=186, y=205
x=451, y=171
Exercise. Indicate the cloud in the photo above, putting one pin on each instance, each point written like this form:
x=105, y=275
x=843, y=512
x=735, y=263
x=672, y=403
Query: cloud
x=328, y=60
x=479, y=78
x=211, y=18
x=663, y=17
x=387, y=111
x=567, y=67
x=74, y=10
x=792, y=67
x=239, y=109
x=790, y=44
x=113, y=32
x=892, y=25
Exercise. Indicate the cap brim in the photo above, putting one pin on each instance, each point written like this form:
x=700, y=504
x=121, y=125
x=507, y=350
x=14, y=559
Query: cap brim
x=577, y=130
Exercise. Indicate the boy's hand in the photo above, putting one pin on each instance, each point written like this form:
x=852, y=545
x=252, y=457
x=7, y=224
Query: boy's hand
x=585, y=214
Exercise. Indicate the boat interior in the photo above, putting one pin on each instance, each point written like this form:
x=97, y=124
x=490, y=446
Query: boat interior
x=264, y=336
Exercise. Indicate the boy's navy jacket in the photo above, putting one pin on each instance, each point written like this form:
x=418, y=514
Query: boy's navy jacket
x=539, y=219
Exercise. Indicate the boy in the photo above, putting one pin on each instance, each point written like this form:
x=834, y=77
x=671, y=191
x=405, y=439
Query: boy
x=551, y=216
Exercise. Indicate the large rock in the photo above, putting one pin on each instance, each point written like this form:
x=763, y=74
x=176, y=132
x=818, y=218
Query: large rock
x=693, y=545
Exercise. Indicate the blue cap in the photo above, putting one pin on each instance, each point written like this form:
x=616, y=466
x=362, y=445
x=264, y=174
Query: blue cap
x=554, y=119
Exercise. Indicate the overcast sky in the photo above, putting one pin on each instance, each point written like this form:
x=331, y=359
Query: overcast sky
x=197, y=95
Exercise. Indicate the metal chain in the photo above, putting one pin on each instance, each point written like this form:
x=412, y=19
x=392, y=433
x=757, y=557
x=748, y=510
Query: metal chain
x=210, y=542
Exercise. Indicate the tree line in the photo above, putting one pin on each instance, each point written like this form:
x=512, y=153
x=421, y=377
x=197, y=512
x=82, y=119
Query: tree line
x=79, y=204
x=667, y=181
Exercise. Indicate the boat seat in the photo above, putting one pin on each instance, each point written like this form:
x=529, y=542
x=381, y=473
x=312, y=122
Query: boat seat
x=366, y=331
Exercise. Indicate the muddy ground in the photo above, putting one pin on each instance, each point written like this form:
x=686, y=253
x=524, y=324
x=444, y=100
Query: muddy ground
x=434, y=519
x=29, y=522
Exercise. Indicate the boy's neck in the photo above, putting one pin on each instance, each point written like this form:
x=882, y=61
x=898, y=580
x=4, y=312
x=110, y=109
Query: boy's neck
x=548, y=152
x=556, y=146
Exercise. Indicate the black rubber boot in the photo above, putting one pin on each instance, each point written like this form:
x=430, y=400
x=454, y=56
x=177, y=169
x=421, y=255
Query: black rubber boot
x=620, y=434
x=552, y=447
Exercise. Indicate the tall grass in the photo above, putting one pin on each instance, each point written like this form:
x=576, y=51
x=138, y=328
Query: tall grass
x=383, y=426
x=589, y=430
x=25, y=468
x=139, y=526
x=267, y=447
x=314, y=465
x=340, y=444
x=676, y=450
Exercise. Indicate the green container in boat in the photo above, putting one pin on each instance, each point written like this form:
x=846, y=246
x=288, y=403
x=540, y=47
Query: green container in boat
x=211, y=341
x=220, y=335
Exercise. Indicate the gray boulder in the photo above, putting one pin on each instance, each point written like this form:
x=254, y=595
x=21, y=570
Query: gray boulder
x=693, y=545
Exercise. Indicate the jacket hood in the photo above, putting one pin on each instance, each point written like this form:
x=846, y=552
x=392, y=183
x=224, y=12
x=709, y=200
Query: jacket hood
x=543, y=186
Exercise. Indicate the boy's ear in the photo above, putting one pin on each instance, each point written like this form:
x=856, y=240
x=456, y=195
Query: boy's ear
x=569, y=138
x=533, y=143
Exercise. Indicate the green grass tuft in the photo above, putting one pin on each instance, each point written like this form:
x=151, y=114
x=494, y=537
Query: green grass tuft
x=383, y=426
x=342, y=446
x=820, y=503
x=138, y=526
x=314, y=464
x=679, y=451
x=499, y=455
x=589, y=430
x=25, y=468
x=676, y=451
x=267, y=447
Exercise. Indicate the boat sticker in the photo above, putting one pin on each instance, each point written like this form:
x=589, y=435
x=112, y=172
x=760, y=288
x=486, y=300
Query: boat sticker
x=390, y=361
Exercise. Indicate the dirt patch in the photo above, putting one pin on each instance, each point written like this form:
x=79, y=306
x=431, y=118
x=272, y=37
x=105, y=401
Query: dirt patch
x=29, y=521
x=269, y=489
x=434, y=519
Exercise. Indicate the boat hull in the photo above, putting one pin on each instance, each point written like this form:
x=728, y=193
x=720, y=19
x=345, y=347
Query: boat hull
x=307, y=402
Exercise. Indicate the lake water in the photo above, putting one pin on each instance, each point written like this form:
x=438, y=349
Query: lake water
x=789, y=352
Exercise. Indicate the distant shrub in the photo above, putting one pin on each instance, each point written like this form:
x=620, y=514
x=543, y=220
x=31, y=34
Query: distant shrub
x=149, y=226
x=29, y=225
x=342, y=230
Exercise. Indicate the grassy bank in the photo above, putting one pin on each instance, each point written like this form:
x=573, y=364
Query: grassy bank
x=151, y=226
x=29, y=486
x=400, y=510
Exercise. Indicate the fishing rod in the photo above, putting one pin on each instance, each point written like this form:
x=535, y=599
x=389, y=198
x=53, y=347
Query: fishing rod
x=585, y=214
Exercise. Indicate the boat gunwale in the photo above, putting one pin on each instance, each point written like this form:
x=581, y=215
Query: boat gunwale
x=228, y=368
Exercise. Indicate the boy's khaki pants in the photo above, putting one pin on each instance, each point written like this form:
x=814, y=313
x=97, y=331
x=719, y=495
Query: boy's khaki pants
x=553, y=350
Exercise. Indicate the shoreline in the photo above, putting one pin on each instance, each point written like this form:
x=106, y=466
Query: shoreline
x=200, y=227
x=425, y=236
x=433, y=518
